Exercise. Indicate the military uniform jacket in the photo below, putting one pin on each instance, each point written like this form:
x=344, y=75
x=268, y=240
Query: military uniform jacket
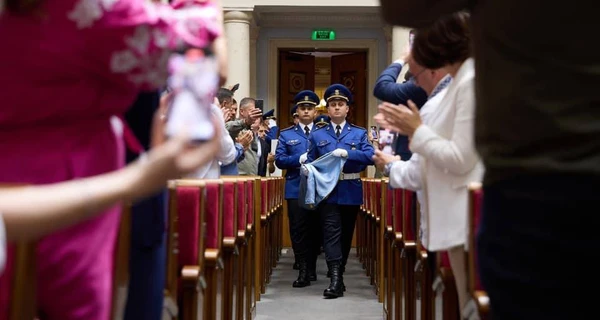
x=291, y=145
x=360, y=155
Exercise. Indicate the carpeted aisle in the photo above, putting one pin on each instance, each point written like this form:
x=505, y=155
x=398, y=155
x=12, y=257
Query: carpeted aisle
x=282, y=301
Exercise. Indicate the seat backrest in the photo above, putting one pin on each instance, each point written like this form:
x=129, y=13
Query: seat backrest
x=377, y=194
x=264, y=196
x=475, y=202
x=190, y=200
x=214, y=214
x=251, y=199
x=242, y=204
x=230, y=207
x=397, y=209
x=389, y=203
x=408, y=215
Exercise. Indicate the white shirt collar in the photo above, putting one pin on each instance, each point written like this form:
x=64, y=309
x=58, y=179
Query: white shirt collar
x=342, y=125
x=302, y=126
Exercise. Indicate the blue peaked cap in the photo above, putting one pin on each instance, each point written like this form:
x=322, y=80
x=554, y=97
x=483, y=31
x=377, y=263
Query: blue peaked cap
x=338, y=91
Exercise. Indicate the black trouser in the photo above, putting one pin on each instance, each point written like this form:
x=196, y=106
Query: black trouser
x=304, y=231
x=338, y=228
x=537, y=243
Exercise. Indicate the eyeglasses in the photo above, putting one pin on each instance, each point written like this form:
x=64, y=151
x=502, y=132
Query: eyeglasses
x=415, y=77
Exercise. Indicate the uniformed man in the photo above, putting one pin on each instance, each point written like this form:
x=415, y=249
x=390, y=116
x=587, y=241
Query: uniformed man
x=321, y=120
x=291, y=153
x=339, y=210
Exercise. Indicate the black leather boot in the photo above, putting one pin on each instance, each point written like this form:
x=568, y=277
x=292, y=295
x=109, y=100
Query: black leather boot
x=336, y=286
x=328, y=269
x=302, y=280
x=296, y=266
x=312, y=269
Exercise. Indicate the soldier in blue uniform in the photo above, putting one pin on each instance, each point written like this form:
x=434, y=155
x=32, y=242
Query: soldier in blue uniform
x=321, y=120
x=291, y=153
x=339, y=210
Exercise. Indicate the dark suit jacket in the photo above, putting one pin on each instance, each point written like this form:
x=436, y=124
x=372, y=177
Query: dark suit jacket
x=386, y=89
x=262, y=163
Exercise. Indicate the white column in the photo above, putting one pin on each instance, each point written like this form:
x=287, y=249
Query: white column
x=399, y=46
x=254, y=31
x=237, y=31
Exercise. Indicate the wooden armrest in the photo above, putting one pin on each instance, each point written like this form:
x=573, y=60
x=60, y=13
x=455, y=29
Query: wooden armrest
x=192, y=278
x=398, y=240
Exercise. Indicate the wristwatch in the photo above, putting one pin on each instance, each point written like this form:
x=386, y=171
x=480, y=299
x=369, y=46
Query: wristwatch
x=388, y=168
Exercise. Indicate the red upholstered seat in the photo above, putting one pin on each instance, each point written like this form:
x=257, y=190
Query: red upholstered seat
x=229, y=209
x=213, y=206
x=389, y=206
x=377, y=199
x=476, y=202
x=397, y=210
x=264, y=190
x=242, y=204
x=408, y=215
x=444, y=259
x=250, y=200
x=189, y=205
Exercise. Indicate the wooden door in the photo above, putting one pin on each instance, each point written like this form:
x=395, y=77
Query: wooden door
x=296, y=73
x=351, y=71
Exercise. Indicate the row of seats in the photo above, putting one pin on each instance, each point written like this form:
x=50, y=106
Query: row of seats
x=410, y=282
x=224, y=239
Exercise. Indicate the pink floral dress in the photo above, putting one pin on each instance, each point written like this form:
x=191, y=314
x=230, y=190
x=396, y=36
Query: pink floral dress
x=65, y=71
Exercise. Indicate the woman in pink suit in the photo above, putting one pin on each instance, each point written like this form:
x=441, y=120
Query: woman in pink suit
x=66, y=68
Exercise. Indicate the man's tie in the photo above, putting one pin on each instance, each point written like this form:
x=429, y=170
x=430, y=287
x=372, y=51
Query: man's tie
x=338, y=130
x=306, y=130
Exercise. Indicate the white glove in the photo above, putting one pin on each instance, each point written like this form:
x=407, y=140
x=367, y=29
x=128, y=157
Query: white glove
x=340, y=153
x=272, y=123
x=304, y=171
x=399, y=61
x=303, y=158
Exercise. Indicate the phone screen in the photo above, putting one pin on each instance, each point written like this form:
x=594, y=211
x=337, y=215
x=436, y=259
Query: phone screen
x=260, y=104
x=386, y=139
x=374, y=134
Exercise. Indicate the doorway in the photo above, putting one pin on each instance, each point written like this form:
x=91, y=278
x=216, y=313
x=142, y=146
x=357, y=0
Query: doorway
x=305, y=69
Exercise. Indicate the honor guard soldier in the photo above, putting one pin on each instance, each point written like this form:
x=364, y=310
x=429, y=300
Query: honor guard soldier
x=321, y=120
x=291, y=153
x=339, y=210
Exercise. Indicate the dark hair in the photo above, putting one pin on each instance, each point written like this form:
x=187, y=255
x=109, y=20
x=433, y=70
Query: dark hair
x=445, y=42
x=23, y=7
x=223, y=94
x=234, y=101
x=245, y=102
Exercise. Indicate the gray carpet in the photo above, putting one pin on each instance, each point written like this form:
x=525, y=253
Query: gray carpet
x=282, y=301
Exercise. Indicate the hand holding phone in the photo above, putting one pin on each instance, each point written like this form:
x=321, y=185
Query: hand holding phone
x=386, y=138
x=374, y=135
x=260, y=104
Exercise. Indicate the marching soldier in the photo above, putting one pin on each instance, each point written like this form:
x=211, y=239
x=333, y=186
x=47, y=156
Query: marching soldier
x=291, y=153
x=321, y=120
x=338, y=213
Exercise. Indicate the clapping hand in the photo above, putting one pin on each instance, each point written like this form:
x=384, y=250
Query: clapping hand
x=399, y=118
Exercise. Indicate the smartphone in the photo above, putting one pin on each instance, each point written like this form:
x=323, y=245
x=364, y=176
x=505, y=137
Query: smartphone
x=374, y=134
x=260, y=105
x=386, y=139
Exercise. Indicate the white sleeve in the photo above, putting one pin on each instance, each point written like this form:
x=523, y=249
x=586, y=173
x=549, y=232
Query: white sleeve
x=407, y=174
x=2, y=245
x=228, y=153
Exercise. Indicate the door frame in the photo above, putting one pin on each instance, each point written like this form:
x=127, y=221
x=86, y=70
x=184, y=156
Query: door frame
x=370, y=45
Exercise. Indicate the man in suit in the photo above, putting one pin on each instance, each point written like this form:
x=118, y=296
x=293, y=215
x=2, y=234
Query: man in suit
x=338, y=213
x=148, y=238
x=386, y=89
x=291, y=153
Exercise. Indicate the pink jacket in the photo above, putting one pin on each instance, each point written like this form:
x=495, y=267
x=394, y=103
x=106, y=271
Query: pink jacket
x=65, y=71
